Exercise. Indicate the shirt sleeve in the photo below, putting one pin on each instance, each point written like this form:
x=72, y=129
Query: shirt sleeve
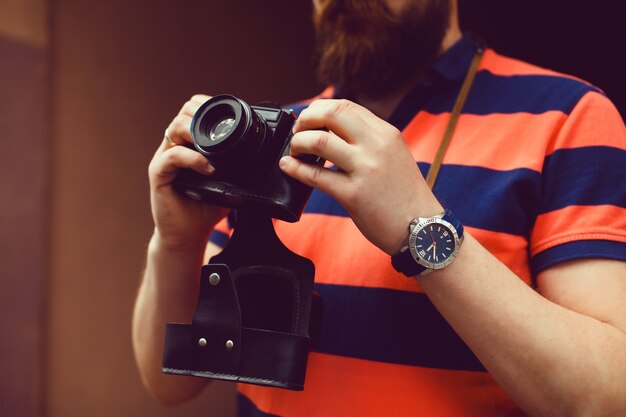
x=222, y=231
x=582, y=212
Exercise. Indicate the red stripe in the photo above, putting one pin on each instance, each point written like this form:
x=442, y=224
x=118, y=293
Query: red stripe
x=506, y=66
x=578, y=223
x=374, y=389
x=222, y=226
x=508, y=141
x=594, y=122
x=335, y=264
x=331, y=242
x=485, y=141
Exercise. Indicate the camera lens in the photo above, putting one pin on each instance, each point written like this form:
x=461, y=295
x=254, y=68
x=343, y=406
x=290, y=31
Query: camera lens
x=222, y=129
x=225, y=127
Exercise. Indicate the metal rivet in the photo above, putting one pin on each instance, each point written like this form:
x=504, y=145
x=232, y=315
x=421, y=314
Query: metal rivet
x=202, y=342
x=229, y=345
x=214, y=278
x=194, y=195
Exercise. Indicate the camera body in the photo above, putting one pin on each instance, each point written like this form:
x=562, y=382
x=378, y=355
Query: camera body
x=244, y=143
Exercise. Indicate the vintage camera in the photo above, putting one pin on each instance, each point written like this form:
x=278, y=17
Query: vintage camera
x=257, y=315
x=244, y=144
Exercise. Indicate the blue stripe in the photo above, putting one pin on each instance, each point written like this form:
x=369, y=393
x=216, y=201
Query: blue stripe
x=491, y=94
x=508, y=201
x=533, y=94
x=321, y=203
x=219, y=238
x=296, y=108
x=580, y=249
x=390, y=326
x=592, y=175
x=500, y=201
x=246, y=408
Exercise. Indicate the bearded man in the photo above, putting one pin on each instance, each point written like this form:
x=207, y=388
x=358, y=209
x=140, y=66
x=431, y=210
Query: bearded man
x=528, y=169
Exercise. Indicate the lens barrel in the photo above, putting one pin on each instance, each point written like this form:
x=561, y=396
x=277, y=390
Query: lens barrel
x=225, y=127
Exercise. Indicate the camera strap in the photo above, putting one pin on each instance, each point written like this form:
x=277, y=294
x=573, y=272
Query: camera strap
x=433, y=172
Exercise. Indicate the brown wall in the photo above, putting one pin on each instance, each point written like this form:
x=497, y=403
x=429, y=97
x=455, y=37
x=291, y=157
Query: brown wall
x=24, y=163
x=119, y=71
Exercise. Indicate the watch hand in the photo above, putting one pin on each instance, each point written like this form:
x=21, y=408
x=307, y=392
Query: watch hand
x=431, y=245
x=432, y=237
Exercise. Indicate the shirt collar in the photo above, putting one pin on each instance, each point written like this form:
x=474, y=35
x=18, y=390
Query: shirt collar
x=452, y=64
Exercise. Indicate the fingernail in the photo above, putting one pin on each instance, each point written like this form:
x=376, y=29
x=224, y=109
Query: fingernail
x=284, y=162
x=210, y=169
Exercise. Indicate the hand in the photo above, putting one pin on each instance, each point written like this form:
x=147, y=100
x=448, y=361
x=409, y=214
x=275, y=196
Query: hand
x=180, y=223
x=378, y=183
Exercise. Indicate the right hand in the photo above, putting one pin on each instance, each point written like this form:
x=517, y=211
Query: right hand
x=180, y=223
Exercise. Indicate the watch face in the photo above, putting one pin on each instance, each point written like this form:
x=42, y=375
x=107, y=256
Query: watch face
x=434, y=244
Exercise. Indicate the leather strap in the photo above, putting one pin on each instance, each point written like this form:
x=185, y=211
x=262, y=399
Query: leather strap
x=216, y=345
x=433, y=172
x=267, y=358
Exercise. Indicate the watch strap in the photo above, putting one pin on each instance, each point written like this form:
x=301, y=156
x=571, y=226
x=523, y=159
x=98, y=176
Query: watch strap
x=450, y=218
x=404, y=262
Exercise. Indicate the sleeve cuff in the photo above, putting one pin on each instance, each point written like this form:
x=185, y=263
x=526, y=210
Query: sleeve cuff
x=219, y=238
x=579, y=249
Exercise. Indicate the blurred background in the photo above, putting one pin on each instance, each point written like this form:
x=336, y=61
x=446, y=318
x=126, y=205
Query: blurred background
x=86, y=90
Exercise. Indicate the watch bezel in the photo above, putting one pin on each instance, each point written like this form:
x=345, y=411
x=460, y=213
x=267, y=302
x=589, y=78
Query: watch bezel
x=416, y=226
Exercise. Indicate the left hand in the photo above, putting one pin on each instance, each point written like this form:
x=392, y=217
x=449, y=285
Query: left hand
x=378, y=183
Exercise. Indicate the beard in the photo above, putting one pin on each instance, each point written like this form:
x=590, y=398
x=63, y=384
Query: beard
x=368, y=52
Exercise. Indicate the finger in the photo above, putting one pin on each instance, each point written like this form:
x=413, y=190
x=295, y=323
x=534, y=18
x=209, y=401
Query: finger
x=179, y=130
x=191, y=106
x=341, y=116
x=326, y=145
x=165, y=166
x=324, y=179
x=194, y=103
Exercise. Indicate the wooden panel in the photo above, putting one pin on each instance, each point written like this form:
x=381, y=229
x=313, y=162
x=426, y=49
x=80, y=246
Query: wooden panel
x=24, y=20
x=24, y=162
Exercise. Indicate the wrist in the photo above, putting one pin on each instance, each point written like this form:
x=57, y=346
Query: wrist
x=179, y=247
x=172, y=272
x=433, y=243
x=426, y=209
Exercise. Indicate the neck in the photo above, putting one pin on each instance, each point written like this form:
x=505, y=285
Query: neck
x=383, y=107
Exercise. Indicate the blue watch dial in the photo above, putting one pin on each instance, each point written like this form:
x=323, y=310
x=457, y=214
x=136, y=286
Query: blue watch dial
x=435, y=243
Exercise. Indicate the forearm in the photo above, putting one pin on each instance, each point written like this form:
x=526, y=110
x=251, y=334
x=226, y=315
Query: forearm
x=168, y=293
x=551, y=361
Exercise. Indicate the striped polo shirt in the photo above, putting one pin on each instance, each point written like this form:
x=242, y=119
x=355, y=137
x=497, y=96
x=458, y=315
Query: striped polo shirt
x=536, y=172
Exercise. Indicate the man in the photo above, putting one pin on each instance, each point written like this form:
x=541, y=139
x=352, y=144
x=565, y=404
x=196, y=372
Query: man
x=534, y=173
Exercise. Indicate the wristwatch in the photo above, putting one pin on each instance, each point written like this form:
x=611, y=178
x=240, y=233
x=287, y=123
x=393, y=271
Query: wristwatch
x=433, y=243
